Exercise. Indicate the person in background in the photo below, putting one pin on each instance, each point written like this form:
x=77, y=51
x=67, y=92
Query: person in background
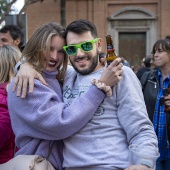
x=42, y=115
x=9, y=56
x=12, y=35
x=124, y=61
x=153, y=84
x=167, y=37
x=142, y=62
x=152, y=63
x=120, y=120
x=146, y=67
x=102, y=55
x=135, y=68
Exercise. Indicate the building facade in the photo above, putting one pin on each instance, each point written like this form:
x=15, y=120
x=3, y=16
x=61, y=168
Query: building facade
x=134, y=24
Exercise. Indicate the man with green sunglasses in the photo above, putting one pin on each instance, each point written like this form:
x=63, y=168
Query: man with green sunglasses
x=103, y=143
x=120, y=120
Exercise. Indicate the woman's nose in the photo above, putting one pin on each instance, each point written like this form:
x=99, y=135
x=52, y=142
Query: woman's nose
x=54, y=54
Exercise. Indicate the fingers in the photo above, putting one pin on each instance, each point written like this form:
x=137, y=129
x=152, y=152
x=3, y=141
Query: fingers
x=167, y=97
x=24, y=87
x=20, y=83
x=116, y=69
x=116, y=62
x=25, y=82
x=119, y=74
x=40, y=77
x=25, y=79
x=167, y=100
x=15, y=83
x=31, y=84
x=19, y=86
x=112, y=74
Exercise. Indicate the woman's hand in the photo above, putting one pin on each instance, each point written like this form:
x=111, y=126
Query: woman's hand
x=24, y=78
x=167, y=100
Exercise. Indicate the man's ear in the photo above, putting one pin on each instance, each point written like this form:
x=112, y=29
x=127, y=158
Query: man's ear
x=99, y=44
x=17, y=41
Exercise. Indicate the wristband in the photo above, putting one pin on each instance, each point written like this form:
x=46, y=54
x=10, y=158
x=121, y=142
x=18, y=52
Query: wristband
x=17, y=67
x=102, y=86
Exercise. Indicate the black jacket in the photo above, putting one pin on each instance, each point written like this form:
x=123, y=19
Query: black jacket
x=150, y=87
x=141, y=71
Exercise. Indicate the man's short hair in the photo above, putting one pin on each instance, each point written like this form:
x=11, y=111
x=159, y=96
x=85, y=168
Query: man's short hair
x=81, y=26
x=15, y=33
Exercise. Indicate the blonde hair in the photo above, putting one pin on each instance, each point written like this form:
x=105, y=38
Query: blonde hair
x=9, y=56
x=40, y=41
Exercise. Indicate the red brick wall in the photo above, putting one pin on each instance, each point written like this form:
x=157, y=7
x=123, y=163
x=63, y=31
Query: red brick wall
x=96, y=11
x=40, y=13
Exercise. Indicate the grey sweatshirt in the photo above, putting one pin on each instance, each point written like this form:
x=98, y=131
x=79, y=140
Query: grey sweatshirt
x=119, y=121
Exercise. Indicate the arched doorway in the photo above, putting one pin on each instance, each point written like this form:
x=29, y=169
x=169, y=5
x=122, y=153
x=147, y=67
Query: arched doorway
x=134, y=30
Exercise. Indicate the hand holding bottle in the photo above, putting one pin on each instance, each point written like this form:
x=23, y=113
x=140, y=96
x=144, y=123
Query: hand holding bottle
x=113, y=73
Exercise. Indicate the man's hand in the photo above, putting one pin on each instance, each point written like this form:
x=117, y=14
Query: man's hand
x=138, y=167
x=24, y=78
x=112, y=74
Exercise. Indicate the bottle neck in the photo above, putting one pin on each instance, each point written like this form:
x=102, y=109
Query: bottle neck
x=111, y=50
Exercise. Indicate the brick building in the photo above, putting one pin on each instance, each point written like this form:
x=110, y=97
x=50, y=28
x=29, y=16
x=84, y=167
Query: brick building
x=134, y=24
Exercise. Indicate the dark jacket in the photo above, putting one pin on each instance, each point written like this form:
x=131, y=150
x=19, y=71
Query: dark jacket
x=150, y=87
x=141, y=71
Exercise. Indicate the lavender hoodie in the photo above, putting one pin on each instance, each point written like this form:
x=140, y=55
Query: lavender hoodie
x=42, y=117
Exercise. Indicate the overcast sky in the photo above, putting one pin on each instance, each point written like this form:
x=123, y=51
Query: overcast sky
x=19, y=4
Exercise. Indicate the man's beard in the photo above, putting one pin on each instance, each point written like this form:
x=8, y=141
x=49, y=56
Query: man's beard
x=94, y=63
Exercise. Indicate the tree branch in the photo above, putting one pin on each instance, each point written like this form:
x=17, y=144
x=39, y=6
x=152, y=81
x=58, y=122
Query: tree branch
x=27, y=3
x=8, y=10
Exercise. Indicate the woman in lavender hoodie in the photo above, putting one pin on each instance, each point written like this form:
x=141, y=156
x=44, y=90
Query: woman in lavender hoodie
x=42, y=117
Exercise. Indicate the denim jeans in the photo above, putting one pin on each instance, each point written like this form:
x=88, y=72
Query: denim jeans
x=163, y=165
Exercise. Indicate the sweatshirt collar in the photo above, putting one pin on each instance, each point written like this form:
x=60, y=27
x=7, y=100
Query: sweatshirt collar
x=52, y=74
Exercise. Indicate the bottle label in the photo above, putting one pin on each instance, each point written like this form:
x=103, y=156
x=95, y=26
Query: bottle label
x=110, y=47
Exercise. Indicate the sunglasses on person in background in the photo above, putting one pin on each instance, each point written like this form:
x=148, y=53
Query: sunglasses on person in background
x=86, y=46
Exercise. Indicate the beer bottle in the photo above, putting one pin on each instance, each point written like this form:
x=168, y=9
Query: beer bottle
x=111, y=53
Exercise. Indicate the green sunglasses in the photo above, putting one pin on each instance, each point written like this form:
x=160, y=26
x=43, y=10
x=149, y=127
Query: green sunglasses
x=86, y=46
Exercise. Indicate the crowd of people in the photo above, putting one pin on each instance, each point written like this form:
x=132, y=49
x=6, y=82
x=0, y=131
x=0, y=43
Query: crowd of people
x=91, y=113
